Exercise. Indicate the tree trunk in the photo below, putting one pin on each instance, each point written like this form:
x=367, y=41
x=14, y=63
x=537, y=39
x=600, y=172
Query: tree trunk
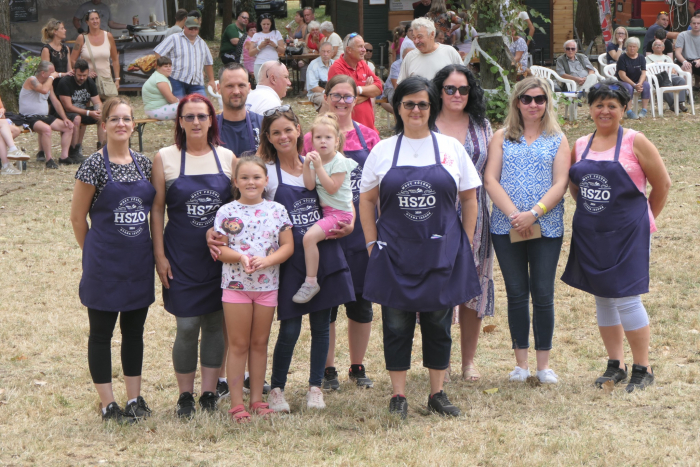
x=171, y=12
x=497, y=50
x=587, y=22
x=188, y=5
x=305, y=3
x=208, y=20
x=248, y=5
x=330, y=9
x=227, y=17
x=9, y=98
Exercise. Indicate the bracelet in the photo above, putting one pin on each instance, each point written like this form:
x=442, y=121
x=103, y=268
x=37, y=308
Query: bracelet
x=543, y=207
x=534, y=213
x=88, y=114
x=60, y=75
x=359, y=90
x=117, y=79
x=370, y=243
x=51, y=77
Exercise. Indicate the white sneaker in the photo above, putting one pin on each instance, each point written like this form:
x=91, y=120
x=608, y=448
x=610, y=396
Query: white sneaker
x=547, y=376
x=277, y=401
x=9, y=169
x=17, y=155
x=314, y=398
x=306, y=292
x=519, y=374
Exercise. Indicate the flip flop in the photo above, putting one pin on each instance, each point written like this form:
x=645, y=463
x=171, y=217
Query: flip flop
x=239, y=415
x=261, y=408
x=470, y=373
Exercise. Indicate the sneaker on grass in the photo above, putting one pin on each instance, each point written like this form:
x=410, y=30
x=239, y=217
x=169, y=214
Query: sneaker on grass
x=66, y=161
x=643, y=113
x=314, y=398
x=547, y=376
x=185, y=405
x=17, y=155
x=440, y=404
x=222, y=390
x=277, y=401
x=246, y=386
x=114, y=413
x=632, y=115
x=306, y=292
x=357, y=374
x=330, y=379
x=208, y=401
x=40, y=156
x=519, y=374
x=612, y=373
x=640, y=378
x=51, y=164
x=399, y=406
x=138, y=409
x=10, y=169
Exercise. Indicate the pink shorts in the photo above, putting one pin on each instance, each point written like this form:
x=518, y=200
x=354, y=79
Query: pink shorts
x=331, y=217
x=241, y=296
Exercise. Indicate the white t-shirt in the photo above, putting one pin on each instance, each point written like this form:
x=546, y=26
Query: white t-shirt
x=263, y=98
x=406, y=44
x=269, y=52
x=253, y=230
x=335, y=41
x=273, y=183
x=427, y=65
x=452, y=155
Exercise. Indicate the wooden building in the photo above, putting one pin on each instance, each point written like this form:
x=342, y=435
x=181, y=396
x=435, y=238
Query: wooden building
x=561, y=29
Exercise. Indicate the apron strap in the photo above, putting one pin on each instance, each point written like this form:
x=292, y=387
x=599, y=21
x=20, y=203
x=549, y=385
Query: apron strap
x=216, y=158
x=435, y=148
x=396, y=151
x=133, y=157
x=249, y=126
x=360, y=136
x=398, y=147
x=618, y=144
x=183, y=158
x=105, y=156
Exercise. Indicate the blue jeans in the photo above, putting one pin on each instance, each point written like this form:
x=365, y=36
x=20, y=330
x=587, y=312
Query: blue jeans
x=182, y=89
x=529, y=269
x=646, y=90
x=320, y=322
x=399, y=327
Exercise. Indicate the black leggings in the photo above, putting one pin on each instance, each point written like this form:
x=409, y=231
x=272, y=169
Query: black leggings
x=99, y=343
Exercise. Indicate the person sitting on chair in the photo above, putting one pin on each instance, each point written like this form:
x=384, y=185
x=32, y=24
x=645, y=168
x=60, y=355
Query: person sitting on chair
x=576, y=67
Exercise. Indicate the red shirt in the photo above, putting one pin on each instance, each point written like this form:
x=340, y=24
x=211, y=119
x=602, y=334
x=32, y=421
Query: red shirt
x=363, y=113
x=314, y=45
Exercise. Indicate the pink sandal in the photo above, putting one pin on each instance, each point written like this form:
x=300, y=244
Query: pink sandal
x=239, y=415
x=261, y=408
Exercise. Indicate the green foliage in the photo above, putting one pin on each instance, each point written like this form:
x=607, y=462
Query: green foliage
x=497, y=101
x=24, y=67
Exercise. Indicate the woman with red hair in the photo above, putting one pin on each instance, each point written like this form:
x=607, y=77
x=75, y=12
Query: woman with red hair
x=193, y=179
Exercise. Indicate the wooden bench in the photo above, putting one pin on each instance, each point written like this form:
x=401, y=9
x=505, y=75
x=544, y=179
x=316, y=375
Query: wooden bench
x=131, y=87
x=139, y=126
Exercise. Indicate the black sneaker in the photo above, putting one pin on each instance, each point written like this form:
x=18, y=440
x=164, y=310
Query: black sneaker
x=640, y=379
x=682, y=107
x=208, y=401
x=613, y=373
x=222, y=389
x=357, y=373
x=440, y=404
x=138, y=409
x=399, y=405
x=66, y=161
x=115, y=414
x=75, y=155
x=51, y=164
x=330, y=379
x=246, y=386
x=40, y=156
x=185, y=405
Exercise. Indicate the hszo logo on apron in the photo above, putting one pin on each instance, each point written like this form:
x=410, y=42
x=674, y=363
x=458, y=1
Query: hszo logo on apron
x=417, y=199
x=202, y=207
x=304, y=214
x=595, y=192
x=355, y=179
x=130, y=216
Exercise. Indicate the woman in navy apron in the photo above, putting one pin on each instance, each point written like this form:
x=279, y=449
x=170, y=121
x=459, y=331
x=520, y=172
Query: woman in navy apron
x=193, y=179
x=280, y=145
x=610, y=247
x=113, y=187
x=359, y=141
x=420, y=254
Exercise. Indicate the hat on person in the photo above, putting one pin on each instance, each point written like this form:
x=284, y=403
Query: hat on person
x=192, y=22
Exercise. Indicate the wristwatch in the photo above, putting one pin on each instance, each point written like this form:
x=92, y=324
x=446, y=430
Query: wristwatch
x=534, y=213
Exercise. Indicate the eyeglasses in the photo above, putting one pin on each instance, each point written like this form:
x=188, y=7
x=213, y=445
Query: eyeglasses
x=116, y=120
x=571, y=48
x=189, y=118
x=621, y=33
x=527, y=100
x=281, y=108
x=450, y=90
x=335, y=97
x=410, y=105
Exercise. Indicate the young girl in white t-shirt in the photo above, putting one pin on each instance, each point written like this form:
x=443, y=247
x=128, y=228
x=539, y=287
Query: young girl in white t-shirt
x=328, y=171
x=259, y=240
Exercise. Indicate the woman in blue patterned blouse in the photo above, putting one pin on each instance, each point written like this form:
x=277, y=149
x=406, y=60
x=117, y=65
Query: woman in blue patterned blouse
x=526, y=176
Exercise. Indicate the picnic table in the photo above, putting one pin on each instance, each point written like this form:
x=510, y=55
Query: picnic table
x=292, y=63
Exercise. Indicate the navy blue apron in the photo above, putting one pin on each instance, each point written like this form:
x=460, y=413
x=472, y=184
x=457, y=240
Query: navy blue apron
x=249, y=127
x=354, y=244
x=118, y=261
x=422, y=260
x=193, y=201
x=333, y=273
x=609, y=254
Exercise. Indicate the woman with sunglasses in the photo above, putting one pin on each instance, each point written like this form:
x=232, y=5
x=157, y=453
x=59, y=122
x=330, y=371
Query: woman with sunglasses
x=113, y=187
x=462, y=115
x=341, y=94
x=611, y=230
x=267, y=44
x=97, y=47
x=420, y=257
x=616, y=46
x=526, y=177
x=192, y=179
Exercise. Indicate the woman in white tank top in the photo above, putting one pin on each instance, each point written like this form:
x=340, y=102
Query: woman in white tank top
x=103, y=48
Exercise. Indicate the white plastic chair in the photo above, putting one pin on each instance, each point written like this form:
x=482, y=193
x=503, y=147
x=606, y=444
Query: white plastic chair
x=216, y=94
x=602, y=61
x=655, y=68
x=609, y=72
x=550, y=75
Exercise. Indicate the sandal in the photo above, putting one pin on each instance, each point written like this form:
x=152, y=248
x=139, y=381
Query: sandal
x=239, y=415
x=448, y=374
x=470, y=373
x=261, y=408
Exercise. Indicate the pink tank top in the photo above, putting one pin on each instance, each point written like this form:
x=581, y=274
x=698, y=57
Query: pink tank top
x=628, y=160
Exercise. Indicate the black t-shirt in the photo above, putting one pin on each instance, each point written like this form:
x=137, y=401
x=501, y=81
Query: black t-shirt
x=420, y=10
x=80, y=96
x=668, y=47
x=235, y=134
x=632, y=67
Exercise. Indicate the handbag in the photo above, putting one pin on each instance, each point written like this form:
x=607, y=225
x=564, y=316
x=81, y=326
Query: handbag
x=105, y=86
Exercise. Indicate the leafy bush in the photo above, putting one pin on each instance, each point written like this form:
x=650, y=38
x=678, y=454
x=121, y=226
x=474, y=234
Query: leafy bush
x=497, y=100
x=24, y=67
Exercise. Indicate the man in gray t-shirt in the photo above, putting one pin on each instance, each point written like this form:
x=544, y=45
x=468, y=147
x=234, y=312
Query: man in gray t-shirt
x=687, y=49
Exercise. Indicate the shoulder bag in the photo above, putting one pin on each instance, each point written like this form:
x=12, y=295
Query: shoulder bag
x=105, y=86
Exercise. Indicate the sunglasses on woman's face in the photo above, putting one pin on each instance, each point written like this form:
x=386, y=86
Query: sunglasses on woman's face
x=410, y=105
x=189, y=118
x=450, y=90
x=281, y=108
x=527, y=100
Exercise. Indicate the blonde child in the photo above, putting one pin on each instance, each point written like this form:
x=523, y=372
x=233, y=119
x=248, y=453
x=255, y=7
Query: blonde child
x=259, y=240
x=328, y=171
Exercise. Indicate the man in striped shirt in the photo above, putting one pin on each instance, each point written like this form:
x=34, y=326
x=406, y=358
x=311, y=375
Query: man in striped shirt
x=189, y=54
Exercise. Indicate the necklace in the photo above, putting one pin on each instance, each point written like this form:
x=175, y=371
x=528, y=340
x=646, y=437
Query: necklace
x=415, y=151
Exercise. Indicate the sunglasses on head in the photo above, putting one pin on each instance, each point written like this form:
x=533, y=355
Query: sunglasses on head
x=189, y=118
x=281, y=108
x=410, y=105
x=527, y=100
x=663, y=12
x=450, y=90
x=612, y=87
